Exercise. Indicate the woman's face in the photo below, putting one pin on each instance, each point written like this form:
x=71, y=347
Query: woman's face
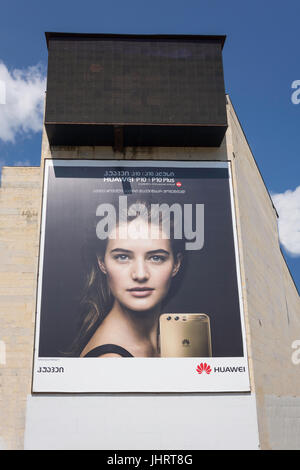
x=139, y=270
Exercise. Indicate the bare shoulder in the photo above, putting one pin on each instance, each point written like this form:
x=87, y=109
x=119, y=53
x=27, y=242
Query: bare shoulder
x=89, y=348
x=110, y=355
x=100, y=338
x=108, y=333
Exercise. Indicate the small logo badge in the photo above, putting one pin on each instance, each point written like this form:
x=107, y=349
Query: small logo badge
x=203, y=368
x=185, y=342
x=178, y=184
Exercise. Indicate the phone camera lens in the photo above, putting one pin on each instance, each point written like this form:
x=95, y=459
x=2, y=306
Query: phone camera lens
x=176, y=318
x=168, y=318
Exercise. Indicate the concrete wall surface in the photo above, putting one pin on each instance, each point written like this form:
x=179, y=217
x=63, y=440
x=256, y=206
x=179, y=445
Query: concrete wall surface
x=271, y=299
x=152, y=421
x=20, y=199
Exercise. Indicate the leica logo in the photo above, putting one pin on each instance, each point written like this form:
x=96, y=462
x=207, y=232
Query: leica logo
x=185, y=342
x=203, y=367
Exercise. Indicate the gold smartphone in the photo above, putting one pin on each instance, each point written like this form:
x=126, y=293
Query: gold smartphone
x=185, y=335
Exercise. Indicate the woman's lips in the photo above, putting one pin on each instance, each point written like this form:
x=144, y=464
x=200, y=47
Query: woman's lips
x=140, y=291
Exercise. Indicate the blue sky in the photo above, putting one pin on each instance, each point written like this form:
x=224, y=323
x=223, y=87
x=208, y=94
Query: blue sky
x=261, y=61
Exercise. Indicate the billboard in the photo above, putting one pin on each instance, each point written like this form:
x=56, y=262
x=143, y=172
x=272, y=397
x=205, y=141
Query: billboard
x=139, y=279
x=158, y=90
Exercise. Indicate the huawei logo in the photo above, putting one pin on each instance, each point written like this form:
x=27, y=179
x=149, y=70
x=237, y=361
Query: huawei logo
x=178, y=184
x=203, y=368
x=185, y=342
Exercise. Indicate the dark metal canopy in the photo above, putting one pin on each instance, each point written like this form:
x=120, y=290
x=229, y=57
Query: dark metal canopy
x=112, y=89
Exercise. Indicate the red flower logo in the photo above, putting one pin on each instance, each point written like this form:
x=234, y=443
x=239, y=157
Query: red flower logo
x=178, y=184
x=203, y=368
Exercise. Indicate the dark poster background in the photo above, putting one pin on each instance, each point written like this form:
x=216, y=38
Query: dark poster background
x=208, y=284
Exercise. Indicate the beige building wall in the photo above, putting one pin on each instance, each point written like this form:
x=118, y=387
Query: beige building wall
x=271, y=301
x=20, y=199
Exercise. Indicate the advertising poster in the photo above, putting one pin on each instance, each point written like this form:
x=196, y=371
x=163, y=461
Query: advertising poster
x=139, y=279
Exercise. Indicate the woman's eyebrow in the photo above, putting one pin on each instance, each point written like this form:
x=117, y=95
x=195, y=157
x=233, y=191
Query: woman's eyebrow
x=160, y=250
x=151, y=252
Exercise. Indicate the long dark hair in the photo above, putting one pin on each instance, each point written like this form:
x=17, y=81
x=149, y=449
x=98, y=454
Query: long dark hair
x=97, y=300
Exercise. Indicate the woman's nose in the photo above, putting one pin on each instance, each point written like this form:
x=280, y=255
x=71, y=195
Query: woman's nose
x=139, y=271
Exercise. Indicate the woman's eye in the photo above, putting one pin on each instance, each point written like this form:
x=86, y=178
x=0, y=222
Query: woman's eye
x=121, y=257
x=158, y=258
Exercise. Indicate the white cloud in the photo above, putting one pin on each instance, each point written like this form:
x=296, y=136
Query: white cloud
x=23, y=104
x=22, y=163
x=288, y=207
